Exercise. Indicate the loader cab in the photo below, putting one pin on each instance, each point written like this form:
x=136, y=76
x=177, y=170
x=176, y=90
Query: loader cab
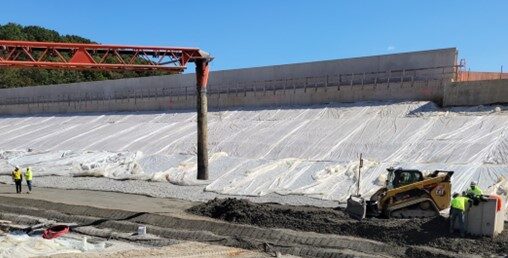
x=398, y=177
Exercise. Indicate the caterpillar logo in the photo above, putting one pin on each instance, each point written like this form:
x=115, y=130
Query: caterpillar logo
x=440, y=191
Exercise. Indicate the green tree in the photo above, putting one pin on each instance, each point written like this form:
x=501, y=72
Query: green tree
x=16, y=77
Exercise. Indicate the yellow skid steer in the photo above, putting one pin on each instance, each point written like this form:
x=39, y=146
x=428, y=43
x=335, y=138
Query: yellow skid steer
x=407, y=194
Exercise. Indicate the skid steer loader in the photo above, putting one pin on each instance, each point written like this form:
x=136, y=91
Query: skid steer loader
x=407, y=194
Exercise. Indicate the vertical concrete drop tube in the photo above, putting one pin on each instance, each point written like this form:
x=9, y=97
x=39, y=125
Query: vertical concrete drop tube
x=202, y=106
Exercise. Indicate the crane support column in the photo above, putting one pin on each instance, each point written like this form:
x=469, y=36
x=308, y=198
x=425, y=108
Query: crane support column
x=202, y=106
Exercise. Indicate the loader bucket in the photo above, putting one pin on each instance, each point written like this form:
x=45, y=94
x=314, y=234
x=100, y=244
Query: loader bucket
x=356, y=207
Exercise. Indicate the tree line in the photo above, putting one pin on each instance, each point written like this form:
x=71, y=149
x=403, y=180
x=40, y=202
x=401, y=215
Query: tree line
x=21, y=77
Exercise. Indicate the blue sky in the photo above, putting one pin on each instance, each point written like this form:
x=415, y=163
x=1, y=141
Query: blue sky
x=264, y=32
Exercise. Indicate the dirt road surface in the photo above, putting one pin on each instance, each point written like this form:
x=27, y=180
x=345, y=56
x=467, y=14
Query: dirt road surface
x=432, y=232
x=265, y=228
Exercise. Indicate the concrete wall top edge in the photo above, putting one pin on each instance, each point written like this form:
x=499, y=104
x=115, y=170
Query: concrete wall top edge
x=445, y=50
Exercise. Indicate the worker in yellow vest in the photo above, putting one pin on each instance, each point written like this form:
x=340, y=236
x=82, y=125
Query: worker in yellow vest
x=458, y=208
x=474, y=191
x=17, y=177
x=28, y=178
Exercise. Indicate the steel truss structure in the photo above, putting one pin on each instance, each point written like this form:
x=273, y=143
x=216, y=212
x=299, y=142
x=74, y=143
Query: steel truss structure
x=78, y=56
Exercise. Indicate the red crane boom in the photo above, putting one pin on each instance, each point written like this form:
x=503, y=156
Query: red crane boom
x=53, y=55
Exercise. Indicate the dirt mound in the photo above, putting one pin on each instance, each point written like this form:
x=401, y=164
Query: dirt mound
x=431, y=232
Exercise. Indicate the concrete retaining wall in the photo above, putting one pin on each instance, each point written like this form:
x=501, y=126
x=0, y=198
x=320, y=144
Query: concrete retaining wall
x=358, y=79
x=476, y=93
x=422, y=90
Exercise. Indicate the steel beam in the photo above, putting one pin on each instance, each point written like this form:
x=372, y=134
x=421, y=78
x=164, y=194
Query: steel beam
x=76, y=56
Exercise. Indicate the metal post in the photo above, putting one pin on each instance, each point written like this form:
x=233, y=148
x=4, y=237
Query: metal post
x=339, y=82
x=360, y=165
x=389, y=75
x=202, y=106
x=326, y=83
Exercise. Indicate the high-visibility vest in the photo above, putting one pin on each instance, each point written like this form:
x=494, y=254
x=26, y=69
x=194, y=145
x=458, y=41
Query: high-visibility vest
x=459, y=203
x=16, y=174
x=475, y=191
x=28, y=175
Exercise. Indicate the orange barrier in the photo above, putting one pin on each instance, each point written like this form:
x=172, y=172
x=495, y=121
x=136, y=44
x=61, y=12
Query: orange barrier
x=55, y=231
x=499, y=201
x=480, y=76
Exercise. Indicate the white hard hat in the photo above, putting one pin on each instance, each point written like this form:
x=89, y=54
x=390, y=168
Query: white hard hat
x=17, y=167
x=473, y=183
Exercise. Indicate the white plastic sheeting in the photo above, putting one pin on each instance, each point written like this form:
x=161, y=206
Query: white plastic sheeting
x=22, y=245
x=310, y=151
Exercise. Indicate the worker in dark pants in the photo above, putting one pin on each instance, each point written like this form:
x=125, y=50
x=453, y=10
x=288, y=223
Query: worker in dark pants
x=28, y=178
x=457, y=213
x=17, y=176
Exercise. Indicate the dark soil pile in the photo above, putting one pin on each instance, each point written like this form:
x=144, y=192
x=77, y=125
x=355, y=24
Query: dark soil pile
x=426, y=232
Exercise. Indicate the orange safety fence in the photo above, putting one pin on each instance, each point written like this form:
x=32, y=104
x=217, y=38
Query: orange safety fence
x=480, y=76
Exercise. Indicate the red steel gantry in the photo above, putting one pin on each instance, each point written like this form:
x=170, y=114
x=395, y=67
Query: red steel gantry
x=77, y=56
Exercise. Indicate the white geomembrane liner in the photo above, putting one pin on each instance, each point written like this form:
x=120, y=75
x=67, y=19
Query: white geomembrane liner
x=311, y=150
x=22, y=245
